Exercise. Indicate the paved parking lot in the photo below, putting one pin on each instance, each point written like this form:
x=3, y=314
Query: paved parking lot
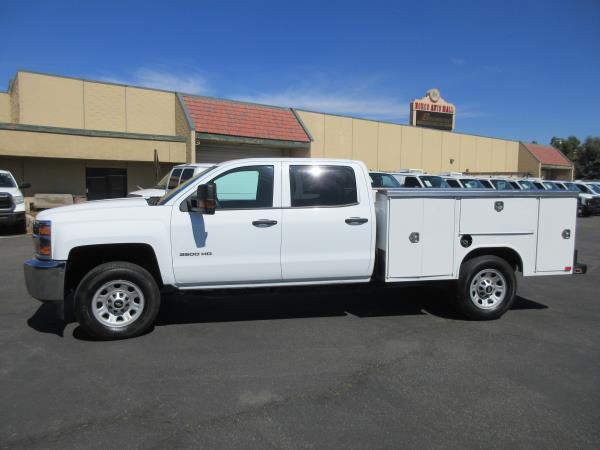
x=309, y=368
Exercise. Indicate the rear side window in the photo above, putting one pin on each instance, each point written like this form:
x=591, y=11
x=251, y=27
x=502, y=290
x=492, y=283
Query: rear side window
x=322, y=186
x=186, y=174
x=453, y=183
x=174, y=179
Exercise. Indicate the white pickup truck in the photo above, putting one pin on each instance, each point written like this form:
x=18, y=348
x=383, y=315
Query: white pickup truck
x=284, y=222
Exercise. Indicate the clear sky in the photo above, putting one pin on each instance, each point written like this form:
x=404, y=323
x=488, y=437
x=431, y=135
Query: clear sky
x=526, y=70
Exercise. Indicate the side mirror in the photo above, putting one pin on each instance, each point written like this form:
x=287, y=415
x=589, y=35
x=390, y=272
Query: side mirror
x=205, y=201
x=24, y=185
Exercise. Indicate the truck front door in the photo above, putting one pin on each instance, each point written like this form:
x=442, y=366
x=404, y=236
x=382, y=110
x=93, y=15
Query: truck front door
x=328, y=227
x=241, y=242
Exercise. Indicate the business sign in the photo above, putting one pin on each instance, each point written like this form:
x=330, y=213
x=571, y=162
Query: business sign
x=432, y=111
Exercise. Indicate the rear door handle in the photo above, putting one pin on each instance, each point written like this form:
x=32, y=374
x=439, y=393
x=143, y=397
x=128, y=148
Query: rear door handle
x=264, y=223
x=356, y=220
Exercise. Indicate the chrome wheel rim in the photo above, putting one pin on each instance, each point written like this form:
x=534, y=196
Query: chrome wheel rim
x=488, y=289
x=118, y=303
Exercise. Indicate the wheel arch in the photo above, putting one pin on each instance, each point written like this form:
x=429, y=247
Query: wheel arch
x=84, y=258
x=509, y=254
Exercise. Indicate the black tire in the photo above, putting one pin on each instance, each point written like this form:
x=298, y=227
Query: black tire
x=21, y=227
x=98, y=277
x=481, y=310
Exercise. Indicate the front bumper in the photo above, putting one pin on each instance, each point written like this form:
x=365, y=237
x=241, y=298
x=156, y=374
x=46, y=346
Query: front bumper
x=11, y=218
x=45, y=280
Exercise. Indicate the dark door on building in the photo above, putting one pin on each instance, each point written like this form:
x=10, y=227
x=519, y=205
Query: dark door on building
x=105, y=183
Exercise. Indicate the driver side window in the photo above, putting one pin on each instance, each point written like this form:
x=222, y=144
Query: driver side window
x=245, y=187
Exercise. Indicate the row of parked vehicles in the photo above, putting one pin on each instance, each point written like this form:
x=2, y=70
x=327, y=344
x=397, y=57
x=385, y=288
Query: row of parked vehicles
x=588, y=190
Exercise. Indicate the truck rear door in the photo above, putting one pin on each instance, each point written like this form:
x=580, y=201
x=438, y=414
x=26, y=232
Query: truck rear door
x=328, y=222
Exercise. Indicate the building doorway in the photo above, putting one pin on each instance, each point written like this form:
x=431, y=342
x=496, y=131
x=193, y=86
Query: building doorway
x=101, y=183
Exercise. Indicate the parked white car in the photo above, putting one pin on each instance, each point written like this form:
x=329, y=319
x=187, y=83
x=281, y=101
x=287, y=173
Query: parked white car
x=12, y=205
x=176, y=176
x=294, y=221
x=589, y=194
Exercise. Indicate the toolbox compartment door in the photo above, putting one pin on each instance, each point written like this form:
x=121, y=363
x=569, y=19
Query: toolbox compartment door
x=556, y=234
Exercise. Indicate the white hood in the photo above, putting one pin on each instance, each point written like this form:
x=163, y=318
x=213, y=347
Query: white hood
x=96, y=205
x=147, y=193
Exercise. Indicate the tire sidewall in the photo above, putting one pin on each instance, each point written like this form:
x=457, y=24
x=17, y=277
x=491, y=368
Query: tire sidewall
x=116, y=271
x=469, y=271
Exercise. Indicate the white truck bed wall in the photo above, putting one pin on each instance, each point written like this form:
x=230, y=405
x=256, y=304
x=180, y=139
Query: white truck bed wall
x=419, y=231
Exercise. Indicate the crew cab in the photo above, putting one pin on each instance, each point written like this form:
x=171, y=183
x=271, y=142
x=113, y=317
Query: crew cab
x=288, y=222
x=177, y=175
x=12, y=205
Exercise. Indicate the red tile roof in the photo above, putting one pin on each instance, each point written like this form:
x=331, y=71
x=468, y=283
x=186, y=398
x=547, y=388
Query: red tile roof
x=216, y=116
x=548, y=155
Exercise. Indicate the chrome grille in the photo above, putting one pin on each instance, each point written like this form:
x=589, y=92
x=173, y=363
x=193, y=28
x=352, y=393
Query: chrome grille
x=5, y=201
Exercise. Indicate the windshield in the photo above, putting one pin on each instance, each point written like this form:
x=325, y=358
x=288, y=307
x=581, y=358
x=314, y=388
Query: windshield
x=471, y=183
x=383, y=180
x=486, y=184
x=551, y=186
x=528, y=185
x=430, y=181
x=571, y=187
x=173, y=192
x=162, y=184
x=452, y=183
x=6, y=181
x=503, y=185
x=595, y=188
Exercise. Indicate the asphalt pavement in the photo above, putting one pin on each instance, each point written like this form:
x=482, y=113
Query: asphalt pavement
x=350, y=367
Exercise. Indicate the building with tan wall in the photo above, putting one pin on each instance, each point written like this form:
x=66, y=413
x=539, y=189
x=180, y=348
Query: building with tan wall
x=67, y=135
x=83, y=137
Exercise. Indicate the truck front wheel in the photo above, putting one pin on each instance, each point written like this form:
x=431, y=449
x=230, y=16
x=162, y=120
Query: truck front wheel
x=117, y=300
x=486, y=287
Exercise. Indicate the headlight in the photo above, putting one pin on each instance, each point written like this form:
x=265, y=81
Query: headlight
x=42, y=238
x=18, y=199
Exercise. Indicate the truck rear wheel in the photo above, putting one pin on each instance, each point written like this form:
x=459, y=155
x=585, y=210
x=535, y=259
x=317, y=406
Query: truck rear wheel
x=486, y=287
x=117, y=300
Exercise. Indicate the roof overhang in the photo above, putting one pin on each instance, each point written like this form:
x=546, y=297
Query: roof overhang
x=275, y=143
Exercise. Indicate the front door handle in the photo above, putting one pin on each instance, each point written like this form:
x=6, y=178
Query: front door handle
x=356, y=220
x=264, y=223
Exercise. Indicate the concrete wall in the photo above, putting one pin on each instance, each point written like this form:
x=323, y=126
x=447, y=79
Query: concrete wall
x=384, y=146
x=47, y=175
x=4, y=107
x=30, y=143
x=72, y=103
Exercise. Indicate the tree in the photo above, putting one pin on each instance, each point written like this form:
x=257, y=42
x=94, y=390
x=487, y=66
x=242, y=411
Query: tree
x=568, y=146
x=587, y=162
